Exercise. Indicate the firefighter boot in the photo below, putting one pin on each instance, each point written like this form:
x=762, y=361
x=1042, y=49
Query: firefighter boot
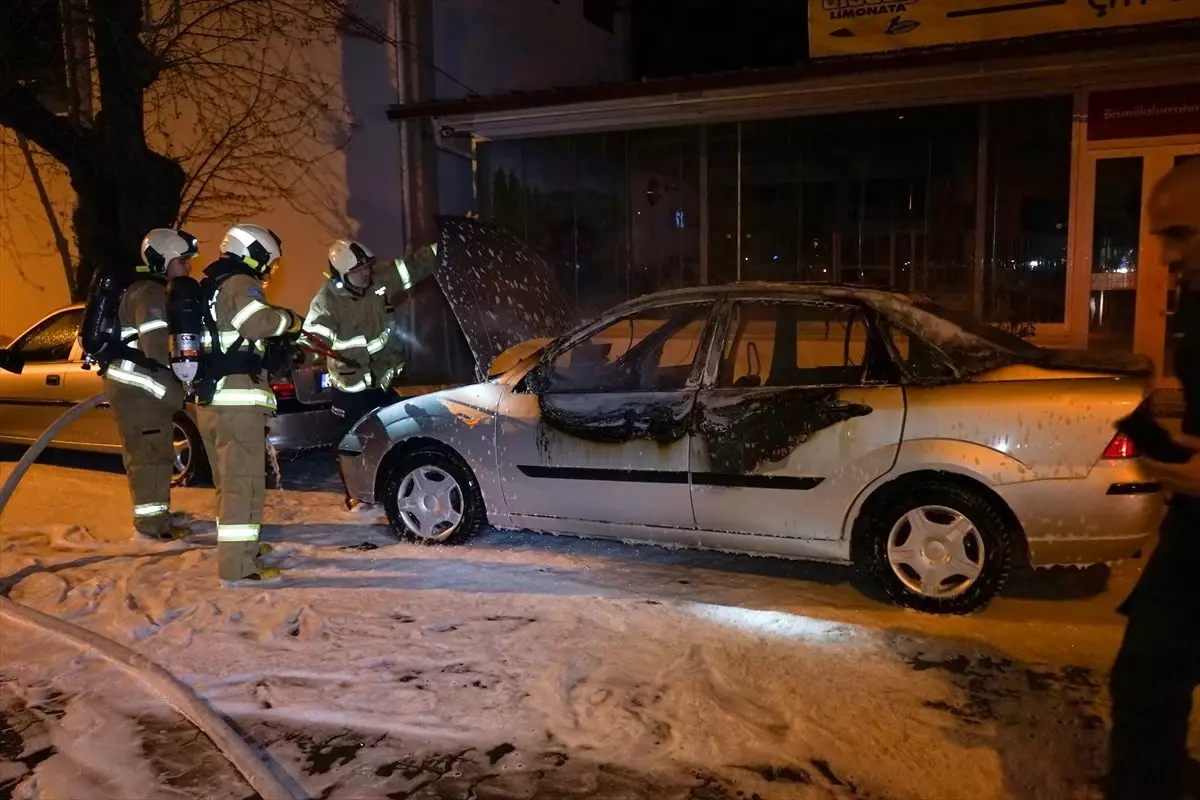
x=170, y=533
x=238, y=561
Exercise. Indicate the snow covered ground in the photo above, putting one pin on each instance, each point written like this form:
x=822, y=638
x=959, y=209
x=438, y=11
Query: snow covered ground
x=526, y=666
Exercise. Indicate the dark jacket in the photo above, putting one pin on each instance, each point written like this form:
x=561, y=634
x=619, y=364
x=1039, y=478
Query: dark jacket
x=1171, y=580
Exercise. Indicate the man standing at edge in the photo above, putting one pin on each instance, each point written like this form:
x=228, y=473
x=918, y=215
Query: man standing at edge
x=1158, y=666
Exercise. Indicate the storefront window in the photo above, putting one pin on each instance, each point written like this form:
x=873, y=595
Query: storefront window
x=1029, y=196
x=614, y=215
x=873, y=198
x=880, y=198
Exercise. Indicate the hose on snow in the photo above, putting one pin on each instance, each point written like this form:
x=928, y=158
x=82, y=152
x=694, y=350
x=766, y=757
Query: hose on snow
x=37, y=447
x=178, y=694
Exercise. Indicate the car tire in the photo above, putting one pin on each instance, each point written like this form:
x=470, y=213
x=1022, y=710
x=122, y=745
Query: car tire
x=921, y=542
x=192, y=468
x=432, y=497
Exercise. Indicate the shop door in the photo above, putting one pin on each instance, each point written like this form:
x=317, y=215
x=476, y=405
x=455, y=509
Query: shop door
x=1130, y=294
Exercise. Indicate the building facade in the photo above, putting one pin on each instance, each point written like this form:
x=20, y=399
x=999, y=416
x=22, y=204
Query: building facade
x=1007, y=178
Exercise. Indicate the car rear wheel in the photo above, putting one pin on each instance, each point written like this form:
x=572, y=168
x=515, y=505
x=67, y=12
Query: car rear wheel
x=936, y=547
x=430, y=496
x=191, y=463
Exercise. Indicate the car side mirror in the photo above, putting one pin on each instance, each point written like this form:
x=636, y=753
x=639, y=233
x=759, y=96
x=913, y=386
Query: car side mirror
x=11, y=361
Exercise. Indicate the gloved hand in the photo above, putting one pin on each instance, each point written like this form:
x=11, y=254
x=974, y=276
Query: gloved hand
x=295, y=323
x=279, y=354
x=389, y=378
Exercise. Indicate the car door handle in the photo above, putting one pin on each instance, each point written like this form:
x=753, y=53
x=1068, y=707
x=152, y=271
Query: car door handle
x=53, y=380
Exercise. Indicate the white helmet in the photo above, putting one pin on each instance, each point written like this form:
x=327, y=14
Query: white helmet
x=163, y=245
x=346, y=255
x=257, y=247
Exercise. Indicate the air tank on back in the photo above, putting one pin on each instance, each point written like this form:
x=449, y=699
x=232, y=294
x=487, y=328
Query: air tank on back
x=185, y=324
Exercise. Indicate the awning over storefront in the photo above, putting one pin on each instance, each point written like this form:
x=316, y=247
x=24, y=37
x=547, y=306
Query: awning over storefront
x=1043, y=66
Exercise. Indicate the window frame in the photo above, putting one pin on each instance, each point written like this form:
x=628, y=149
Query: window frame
x=18, y=344
x=533, y=382
x=876, y=343
x=901, y=364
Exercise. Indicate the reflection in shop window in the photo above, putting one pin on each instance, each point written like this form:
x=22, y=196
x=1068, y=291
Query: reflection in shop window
x=1029, y=194
x=1116, y=231
x=880, y=198
x=612, y=214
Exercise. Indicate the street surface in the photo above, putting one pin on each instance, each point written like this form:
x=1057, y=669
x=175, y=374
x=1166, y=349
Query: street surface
x=530, y=666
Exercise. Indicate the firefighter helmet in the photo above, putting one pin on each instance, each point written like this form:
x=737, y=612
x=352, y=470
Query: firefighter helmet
x=346, y=255
x=163, y=245
x=255, y=246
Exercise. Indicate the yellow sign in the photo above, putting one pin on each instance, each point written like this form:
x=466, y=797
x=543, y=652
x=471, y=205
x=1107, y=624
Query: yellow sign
x=848, y=27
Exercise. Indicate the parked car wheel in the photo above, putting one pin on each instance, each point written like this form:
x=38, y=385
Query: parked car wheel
x=937, y=547
x=430, y=496
x=191, y=462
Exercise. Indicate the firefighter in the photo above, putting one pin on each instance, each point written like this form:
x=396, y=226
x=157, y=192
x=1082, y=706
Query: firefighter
x=351, y=318
x=235, y=402
x=140, y=387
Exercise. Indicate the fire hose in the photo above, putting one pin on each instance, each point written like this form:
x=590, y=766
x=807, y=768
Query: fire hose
x=36, y=449
x=311, y=344
x=246, y=759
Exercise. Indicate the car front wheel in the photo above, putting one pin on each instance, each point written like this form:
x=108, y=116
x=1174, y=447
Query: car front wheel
x=937, y=547
x=430, y=496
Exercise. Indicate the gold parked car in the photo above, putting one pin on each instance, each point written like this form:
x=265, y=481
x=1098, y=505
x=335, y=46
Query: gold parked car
x=53, y=378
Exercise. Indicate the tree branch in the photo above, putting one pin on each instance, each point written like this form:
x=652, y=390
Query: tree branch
x=21, y=111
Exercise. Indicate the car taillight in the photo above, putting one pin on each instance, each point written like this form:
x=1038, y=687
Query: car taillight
x=1121, y=446
x=285, y=390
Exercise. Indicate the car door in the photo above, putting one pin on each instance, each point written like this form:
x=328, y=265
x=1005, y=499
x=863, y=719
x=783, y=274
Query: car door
x=33, y=399
x=599, y=431
x=97, y=429
x=799, y=414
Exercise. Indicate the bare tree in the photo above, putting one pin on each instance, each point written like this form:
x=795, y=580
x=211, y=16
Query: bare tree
x=208, y=109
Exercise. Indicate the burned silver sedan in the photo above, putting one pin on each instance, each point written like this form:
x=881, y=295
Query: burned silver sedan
x=932, y=452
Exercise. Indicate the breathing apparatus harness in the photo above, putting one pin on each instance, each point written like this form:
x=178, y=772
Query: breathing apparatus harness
x=100, y=333
x=240, y=358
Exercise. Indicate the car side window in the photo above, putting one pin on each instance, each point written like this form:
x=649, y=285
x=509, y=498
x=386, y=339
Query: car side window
x=771, y=343
x=51, y=340
x=919, y=358
x=652, y=350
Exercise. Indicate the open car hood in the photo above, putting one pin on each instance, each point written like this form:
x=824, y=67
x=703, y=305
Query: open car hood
x=500, y=291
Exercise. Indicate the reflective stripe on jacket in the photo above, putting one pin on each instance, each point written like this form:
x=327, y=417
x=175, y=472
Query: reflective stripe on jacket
x=143, y=318
x=359, y=330
x=239, y=309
